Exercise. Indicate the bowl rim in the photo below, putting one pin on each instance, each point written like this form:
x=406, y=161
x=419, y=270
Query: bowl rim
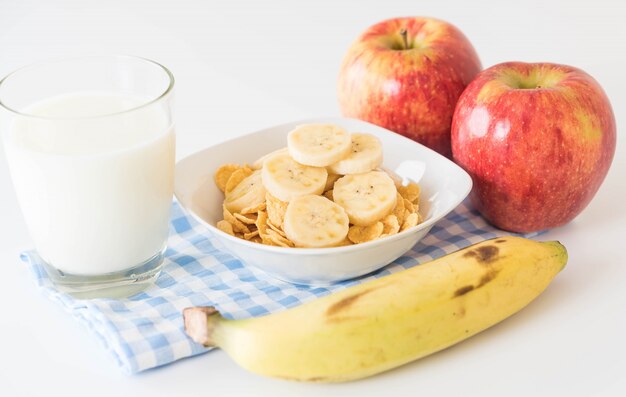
x=326, y=250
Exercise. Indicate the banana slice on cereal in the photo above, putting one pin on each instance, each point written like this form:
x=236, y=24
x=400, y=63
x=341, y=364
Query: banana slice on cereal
x=318, y=145
x=250, y=192
x=314, y=222
x=287, y=179
x=367, y=198
x=365, y=155
x=258, y=164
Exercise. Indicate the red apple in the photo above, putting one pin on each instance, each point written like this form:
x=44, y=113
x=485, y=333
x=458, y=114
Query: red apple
x=406, y=74
x=537, y=139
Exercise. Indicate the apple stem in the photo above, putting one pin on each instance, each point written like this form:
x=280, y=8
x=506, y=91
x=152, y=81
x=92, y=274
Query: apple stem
x=405, y=39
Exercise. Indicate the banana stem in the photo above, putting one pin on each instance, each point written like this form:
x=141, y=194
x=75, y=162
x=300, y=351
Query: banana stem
x=200, y=323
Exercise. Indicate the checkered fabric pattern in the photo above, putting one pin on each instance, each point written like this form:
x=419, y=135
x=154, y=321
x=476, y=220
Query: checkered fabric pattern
x=146, y=330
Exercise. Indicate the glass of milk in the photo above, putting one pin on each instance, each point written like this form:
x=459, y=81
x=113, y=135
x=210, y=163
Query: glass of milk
x=91, y=147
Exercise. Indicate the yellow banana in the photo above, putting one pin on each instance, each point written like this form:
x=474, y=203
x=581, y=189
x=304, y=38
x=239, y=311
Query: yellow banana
x=387, y=322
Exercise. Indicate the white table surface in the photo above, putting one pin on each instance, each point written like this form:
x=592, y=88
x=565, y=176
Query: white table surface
x=244, y=66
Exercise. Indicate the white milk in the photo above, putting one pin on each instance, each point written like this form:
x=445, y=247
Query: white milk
x=95, y=191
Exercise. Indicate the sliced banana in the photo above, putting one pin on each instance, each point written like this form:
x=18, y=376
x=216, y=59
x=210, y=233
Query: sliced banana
x=314, y=222
x=287, y=179
x=258, y=164
x=397, y=179
x=318, y=145
x=249, y=192
x=366, y=154
x=367, y=198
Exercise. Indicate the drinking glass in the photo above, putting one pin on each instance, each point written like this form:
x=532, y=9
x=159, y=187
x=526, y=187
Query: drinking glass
x=90, y=146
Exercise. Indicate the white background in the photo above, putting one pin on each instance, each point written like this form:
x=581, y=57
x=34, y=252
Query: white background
x=242, y=66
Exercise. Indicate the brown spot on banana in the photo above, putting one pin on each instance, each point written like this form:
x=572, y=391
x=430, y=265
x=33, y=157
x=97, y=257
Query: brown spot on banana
x=483, y=255
x=486, y=278
x=345, y=303
x=459, y=313
x=463, y=290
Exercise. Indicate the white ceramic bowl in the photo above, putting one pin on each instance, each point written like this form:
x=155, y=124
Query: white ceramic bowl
x=444, y=185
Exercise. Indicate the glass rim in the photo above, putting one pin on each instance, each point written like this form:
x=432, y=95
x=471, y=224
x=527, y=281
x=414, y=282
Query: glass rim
x=168, y=89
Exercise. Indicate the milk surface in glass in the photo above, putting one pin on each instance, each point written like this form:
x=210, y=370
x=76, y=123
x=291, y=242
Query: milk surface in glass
x=96, y=199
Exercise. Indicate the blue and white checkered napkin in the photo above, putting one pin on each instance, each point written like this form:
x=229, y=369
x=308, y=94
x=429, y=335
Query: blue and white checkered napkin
x=146, y=329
